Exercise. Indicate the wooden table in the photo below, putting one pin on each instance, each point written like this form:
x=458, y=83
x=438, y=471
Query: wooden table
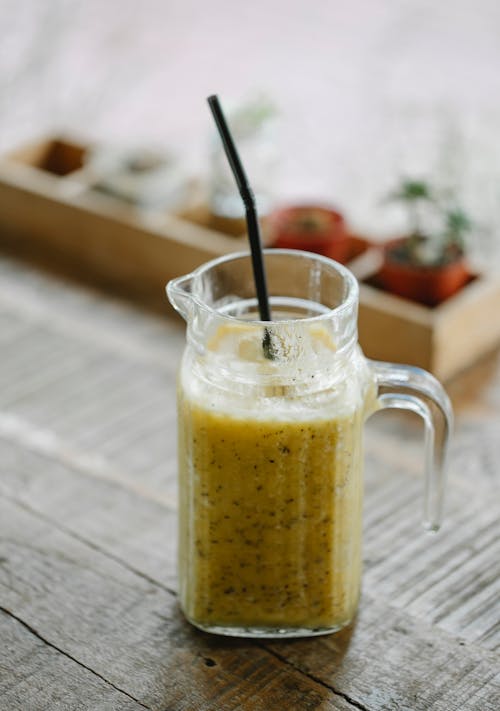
x=88, y=608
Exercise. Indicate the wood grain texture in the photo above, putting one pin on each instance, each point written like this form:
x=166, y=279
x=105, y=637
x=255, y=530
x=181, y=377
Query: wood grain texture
x=393, y=661
x=34, y=675
x=87, y=537
x=128, y=630
x=94, y=609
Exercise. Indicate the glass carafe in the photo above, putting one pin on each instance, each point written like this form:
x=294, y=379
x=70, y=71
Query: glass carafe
x=270, y=447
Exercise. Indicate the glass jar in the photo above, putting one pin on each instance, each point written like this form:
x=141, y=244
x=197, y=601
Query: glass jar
x=270, y=450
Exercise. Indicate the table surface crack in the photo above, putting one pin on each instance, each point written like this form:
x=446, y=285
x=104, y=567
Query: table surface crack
x=37, y=634
x=352, y=702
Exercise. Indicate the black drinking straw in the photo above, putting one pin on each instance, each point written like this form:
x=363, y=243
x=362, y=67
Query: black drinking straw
x=253, y=228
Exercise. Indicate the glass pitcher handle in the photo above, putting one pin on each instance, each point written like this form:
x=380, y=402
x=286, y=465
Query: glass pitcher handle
x=405, y=387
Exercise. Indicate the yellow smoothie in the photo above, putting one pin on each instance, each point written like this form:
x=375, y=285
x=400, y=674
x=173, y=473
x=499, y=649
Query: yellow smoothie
x=270, y=509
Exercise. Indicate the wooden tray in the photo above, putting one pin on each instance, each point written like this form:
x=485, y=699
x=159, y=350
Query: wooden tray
x=444, y=340
x=49, y=210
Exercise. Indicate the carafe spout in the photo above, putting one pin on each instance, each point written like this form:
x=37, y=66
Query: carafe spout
x=180, y=296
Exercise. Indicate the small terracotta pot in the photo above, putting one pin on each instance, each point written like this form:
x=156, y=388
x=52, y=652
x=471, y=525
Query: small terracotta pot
x=428, y=285
x=312, y=228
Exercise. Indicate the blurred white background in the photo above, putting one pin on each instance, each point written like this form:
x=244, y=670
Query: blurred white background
x=368, y=90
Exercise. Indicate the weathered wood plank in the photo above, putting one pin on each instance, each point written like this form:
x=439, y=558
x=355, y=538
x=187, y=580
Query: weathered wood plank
x=35, y=676
x=88, y=315
x=89, y=461
x=98, y=400
x=386, y=523
x=135, y=531
x=402, y=564
x=395, y=663
x=100, y=511
x=129, y=631
x=46, y=442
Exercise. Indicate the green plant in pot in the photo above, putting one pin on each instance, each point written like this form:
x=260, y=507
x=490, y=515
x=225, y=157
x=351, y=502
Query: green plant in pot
x=428, y=264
